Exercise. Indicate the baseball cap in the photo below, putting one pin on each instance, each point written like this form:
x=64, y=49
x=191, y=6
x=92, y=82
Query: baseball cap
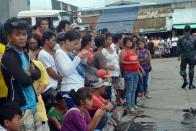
x=81, y=28
x=99, y=84
x=74, y=26
x=101, y=73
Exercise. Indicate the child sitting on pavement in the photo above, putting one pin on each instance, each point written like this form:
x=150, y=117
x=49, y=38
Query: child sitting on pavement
x=57, y=112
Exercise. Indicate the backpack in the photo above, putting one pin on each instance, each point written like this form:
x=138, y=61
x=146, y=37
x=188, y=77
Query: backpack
x=3, y=86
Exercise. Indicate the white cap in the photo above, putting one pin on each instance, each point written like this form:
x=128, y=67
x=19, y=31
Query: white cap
x=99, y=84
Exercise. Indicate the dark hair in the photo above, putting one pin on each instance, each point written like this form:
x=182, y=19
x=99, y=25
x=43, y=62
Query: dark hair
x=61, y=25
x=36, y=37
x=107, y=35
x=13, y=24
x=127, y=39
x=59, y=97
x=187, y=28
x=8, y=111
x=143, y=40
x=34, y=27
x=40, y=21
x=85, y=40
x=48, y=35
x=117, y=37
x=72, y=35
x=81, y=95
x=59, y=37
x=99, y=41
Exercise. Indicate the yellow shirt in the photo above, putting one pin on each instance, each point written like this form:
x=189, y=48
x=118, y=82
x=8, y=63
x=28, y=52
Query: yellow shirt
x=43, y=81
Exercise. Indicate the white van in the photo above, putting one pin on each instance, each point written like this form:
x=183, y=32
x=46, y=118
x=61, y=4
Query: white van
x=54, y=16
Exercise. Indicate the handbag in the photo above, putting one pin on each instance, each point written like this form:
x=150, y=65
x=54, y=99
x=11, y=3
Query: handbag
x=90, y=75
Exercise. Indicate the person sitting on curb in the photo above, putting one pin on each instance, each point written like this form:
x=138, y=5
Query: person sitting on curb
x=98, y=89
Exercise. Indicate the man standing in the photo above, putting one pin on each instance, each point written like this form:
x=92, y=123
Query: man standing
x=19, y=74
x=187, y=48
x=43, y=26
x=174, y=41
x=46, y=56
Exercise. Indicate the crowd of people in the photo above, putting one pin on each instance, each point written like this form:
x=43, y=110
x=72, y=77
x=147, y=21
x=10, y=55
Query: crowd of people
x=163, y=47
x=69, y=80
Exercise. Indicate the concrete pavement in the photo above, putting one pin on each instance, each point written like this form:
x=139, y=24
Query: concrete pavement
x=164, y=112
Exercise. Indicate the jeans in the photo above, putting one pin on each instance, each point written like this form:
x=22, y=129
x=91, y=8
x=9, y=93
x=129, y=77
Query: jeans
x=131, y=81
x=143, y=83
x=103, y=121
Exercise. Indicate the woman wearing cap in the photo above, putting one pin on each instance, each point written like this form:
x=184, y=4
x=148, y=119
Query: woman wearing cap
x=130, y=67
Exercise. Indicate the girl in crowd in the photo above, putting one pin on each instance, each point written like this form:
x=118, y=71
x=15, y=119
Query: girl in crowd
x=78, y=118
x=99, y=60
x=88, y=44
x=144, y=59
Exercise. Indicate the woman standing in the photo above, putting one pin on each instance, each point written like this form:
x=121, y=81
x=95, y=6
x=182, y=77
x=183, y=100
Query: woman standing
x=88, y=44
x=144, y=59
x=130, y=67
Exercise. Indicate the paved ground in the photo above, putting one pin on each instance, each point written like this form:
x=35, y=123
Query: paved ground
x=164, y=112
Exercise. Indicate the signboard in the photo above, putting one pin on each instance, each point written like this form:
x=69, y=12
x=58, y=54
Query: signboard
x=145, y=13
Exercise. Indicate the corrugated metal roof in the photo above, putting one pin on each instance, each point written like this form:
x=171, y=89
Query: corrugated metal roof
x=117, y=27
x=118, y=20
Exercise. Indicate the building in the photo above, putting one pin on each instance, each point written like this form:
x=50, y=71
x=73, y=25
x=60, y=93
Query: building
x=9, y=9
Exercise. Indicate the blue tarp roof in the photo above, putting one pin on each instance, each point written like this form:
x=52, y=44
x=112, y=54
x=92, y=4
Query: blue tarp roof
x=118, y=20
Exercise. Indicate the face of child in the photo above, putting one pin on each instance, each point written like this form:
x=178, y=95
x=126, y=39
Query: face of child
x=18, y=38
x=14, y=124
x=88, y=103
x=63, y=104
x=141, y=45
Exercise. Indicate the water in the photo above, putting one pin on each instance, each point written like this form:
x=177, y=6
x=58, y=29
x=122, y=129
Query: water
x=179, y=121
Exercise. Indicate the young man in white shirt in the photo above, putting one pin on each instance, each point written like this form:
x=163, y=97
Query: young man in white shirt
x=46, y=56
